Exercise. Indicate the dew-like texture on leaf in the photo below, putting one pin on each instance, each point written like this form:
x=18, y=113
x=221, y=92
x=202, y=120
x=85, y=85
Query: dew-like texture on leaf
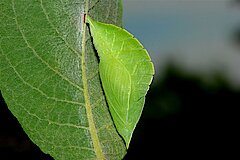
x=49, y=76
x=126, y=72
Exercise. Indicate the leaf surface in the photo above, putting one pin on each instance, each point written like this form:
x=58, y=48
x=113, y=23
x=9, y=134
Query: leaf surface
x=49, y=76
x=126, y=72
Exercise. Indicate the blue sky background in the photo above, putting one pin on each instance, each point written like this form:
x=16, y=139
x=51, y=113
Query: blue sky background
x=194, y=34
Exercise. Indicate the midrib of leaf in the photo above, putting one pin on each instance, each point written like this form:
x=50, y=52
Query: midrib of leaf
x=92, y=127
x=101, y=152
x=93, y=131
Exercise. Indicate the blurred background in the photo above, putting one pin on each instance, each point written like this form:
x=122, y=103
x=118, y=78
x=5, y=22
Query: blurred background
x=191, y=107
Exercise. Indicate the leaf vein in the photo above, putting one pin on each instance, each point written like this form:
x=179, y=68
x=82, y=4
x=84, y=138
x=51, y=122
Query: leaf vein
x=36, y=54
x=49, y=121
x=37, y=89
x=56, y=30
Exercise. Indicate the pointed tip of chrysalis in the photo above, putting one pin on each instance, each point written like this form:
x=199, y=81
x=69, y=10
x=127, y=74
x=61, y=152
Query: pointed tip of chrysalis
x=127, y=145
x=127, y=142
x=127, y=138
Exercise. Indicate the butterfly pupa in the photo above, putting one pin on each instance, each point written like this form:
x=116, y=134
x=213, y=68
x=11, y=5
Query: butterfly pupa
x=126, y=71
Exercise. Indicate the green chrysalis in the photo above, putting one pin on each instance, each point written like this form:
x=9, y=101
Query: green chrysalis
x=126, y=71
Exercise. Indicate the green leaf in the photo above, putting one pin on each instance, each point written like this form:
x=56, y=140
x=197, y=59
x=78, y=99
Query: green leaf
x=126, y=72
x=49, y=76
